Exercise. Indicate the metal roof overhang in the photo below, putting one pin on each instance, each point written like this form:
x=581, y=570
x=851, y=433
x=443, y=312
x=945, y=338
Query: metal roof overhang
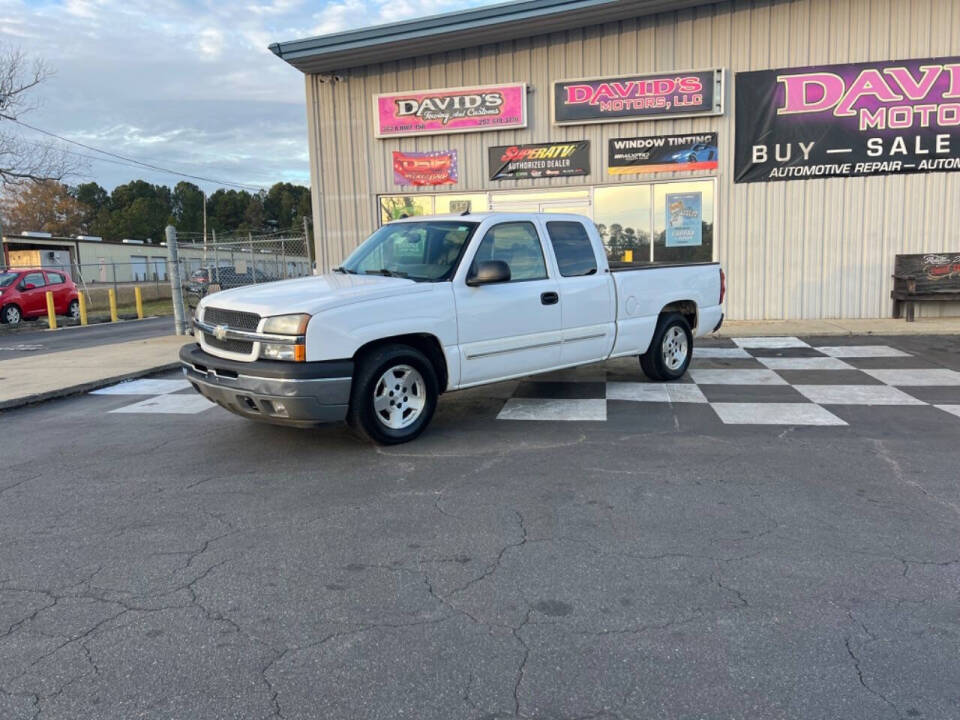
x=455, y=31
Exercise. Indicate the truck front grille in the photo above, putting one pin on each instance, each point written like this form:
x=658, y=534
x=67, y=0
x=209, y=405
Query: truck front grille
x=241, y=347
x=231, y=318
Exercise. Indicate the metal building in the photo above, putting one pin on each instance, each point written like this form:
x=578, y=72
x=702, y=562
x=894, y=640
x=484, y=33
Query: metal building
x=800, y=236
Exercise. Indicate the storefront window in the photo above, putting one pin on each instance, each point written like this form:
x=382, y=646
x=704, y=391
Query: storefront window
x=683, y=222
x=394, y=207
x=622, y=215
x=455, y=204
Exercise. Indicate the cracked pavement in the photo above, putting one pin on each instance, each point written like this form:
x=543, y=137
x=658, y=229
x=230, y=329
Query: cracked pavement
x=203, y=566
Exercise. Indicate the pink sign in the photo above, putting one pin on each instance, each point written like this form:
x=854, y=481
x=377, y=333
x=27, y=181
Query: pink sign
x=450, y=110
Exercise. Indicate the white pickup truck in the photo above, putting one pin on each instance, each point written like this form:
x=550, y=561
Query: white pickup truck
x=433, y=304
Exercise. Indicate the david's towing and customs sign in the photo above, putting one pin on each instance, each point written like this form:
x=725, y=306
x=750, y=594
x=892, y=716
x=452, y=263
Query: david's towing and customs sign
x=438, y=167
x=450, y=110
x=637, y=97
x=662, y=153
x=540, y=160
x=875, y=118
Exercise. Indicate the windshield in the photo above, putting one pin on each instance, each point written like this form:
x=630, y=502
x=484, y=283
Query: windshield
x=7, y=278
x=425, y=251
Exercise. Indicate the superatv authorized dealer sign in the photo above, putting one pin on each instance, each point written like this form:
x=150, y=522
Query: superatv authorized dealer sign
x=450, y=110
x=637, y=97
x=874, y=118
x=516, y=162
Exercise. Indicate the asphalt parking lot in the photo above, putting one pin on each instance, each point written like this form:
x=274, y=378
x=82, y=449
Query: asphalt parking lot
x=776, y=537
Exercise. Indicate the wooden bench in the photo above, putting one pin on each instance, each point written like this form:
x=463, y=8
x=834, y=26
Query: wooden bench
x=924, y=277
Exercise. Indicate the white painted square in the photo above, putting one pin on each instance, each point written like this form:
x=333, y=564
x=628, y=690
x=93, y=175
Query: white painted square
x=553, y=409
x=169, y=405
x=145, y=386
x=952, y=409
x=655, y=392
x=775, y=414
x=861, y=351
x=857, y=395
x=712, y=352
x=770, y=343
x=931, y=377
x=735, y=376
x=804, y=363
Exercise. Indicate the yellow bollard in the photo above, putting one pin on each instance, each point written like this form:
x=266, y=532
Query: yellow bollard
x=139, y=296
x=51, y=313
x=628, y=255
x=83, y=308
x=113, y=305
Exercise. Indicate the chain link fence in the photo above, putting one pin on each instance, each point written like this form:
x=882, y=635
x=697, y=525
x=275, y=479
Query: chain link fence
x=221, y=263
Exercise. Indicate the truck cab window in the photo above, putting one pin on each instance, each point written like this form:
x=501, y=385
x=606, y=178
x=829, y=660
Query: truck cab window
x=518, y=245
x=573, y=249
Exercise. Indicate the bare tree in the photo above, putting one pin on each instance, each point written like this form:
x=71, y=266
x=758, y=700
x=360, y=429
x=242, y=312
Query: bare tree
x=23, y=160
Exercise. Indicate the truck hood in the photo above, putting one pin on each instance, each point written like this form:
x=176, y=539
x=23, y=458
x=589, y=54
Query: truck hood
x=311, y=294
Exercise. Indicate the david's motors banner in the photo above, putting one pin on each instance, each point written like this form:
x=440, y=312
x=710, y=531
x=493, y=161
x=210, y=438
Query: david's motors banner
x=662, y=153
x=562, y=159
x=425, y=168
x=466, y=109
x=637, y=97
x=875, y=118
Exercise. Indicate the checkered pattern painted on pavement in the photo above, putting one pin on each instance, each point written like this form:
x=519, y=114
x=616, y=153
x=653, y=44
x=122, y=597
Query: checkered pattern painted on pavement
x=753, y=381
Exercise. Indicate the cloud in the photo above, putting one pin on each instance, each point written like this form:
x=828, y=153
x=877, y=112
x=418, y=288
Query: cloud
x=189, y=86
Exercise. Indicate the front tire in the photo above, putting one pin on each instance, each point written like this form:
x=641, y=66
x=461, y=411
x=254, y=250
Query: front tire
x=394, y=394
x=11, y=315
x=670, y=349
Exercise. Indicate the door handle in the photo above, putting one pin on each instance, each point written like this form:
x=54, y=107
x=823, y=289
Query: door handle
x=549, y=298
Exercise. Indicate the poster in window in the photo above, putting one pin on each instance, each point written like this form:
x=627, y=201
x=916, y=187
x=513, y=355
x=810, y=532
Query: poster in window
x=851, y=120
x=423, y=169
x=684, y=219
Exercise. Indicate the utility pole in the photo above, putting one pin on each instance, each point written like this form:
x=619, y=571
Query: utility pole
x=176, y=289
x=204, y=227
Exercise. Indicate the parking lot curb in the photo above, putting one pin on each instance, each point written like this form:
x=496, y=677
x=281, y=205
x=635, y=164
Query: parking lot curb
x=84, y=387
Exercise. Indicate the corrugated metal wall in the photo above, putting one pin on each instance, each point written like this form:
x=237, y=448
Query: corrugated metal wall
x=798, y=249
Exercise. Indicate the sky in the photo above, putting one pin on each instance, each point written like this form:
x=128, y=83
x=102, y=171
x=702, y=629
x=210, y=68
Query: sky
x=189, y=86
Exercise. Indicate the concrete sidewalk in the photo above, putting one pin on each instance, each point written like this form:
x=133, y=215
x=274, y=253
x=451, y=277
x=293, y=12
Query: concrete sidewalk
x=796, y=328
x=33, y=378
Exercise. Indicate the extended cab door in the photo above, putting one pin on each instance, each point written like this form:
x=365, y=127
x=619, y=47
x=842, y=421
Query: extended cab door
x=508, y=328
x=587, y=299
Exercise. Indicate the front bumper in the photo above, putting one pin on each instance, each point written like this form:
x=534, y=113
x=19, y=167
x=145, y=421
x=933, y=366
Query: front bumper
x=283, y=393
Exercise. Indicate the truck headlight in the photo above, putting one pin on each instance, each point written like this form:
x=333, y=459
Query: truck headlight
x=275, y=351
x=286, y=324
x=294, y=325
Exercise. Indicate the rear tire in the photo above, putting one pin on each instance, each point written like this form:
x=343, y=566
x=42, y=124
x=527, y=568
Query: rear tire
x=73, y=310
x=670, y=349
x=394, y=394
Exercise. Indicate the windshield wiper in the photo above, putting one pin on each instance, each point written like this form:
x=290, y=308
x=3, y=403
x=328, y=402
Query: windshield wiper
x=387, y=273
x=344, y=270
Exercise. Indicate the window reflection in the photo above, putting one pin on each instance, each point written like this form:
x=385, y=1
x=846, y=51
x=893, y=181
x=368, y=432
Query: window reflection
x=394, y=207
x=622, y=215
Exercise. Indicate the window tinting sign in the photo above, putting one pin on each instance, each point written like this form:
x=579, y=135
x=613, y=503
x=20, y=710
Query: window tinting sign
x=662, y=153
x=517, y=162
x=684, y=219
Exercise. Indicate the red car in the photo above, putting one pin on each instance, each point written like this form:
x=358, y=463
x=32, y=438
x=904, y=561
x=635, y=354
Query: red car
x=23, y=294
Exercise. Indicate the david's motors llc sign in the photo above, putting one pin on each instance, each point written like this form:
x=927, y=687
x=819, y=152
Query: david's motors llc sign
x=875, y=118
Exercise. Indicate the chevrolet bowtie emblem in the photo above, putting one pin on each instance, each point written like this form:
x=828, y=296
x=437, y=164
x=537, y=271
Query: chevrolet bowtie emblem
x=220, y=332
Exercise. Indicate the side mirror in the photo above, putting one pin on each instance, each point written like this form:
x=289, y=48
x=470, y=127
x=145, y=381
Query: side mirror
x=488, y=273
x=29, y=286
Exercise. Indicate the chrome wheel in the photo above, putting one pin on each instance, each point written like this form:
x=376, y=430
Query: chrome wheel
x=675, y=348
x=399, y=397
x=11, y=315
x=73, y=310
